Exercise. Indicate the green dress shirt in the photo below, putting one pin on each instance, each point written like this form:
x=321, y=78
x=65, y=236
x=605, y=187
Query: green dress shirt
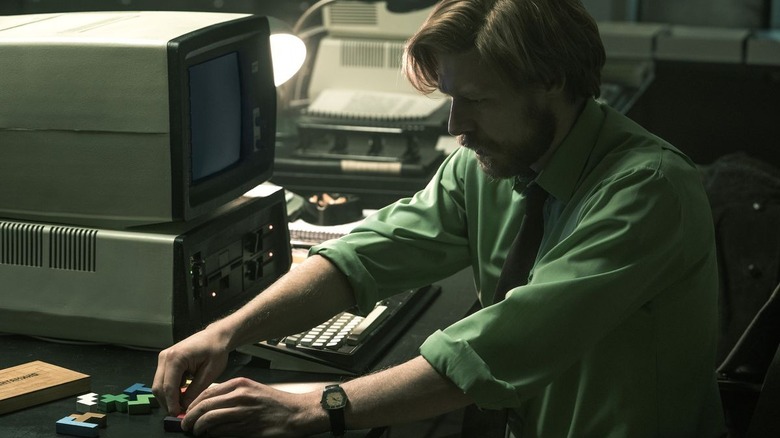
x=615, y=333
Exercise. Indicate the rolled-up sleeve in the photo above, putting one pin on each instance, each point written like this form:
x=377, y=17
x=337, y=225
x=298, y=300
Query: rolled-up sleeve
x=411, y=243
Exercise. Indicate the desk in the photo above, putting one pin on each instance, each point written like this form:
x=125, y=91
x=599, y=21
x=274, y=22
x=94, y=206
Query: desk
x=114, y=368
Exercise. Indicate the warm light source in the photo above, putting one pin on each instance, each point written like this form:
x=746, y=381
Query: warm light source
x=287, y=53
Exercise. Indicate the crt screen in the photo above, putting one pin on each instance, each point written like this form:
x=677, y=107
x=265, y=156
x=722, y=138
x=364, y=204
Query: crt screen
x=215, y=115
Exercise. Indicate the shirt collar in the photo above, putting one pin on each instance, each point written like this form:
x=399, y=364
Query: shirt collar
x=561, y=174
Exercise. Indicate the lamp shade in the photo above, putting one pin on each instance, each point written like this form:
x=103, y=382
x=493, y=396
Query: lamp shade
x=288, y=52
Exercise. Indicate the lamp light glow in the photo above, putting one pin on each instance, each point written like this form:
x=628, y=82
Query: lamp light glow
x=287, y=54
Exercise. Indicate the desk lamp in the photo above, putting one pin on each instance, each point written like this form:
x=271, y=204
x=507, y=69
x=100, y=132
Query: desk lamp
x=288, y=52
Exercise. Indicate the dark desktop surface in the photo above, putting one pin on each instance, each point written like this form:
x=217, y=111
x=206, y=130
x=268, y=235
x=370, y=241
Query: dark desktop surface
x=114, y=368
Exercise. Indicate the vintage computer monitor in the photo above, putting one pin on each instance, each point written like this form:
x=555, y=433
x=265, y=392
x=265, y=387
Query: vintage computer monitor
x=118, y=119
x=127, y=142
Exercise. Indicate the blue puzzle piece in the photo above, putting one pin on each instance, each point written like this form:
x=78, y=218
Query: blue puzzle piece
x=69, y=426
x=136, y=389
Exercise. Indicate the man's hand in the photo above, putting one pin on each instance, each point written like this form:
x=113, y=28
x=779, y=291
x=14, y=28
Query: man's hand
x=311, y=293
x=201, y=357
x=242, y=407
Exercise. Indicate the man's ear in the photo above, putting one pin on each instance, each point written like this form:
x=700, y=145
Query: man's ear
x=557, y=88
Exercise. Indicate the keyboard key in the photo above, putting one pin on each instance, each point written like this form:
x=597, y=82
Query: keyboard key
x=362, y=330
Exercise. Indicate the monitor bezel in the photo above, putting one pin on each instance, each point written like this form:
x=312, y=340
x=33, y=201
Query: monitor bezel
x=250, y=38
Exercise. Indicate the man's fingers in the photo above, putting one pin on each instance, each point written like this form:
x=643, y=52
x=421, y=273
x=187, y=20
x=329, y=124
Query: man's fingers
x=204, y=402
x=168, y=382
x=157, y=385
x=202, y=379
x=224, y=421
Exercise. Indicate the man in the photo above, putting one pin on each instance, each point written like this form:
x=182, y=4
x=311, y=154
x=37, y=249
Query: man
x=612, y=336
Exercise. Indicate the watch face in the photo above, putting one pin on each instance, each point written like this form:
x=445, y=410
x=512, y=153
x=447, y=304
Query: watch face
x=334, y=398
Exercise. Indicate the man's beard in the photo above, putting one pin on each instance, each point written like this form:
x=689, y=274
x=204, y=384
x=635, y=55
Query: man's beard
x=517, y=157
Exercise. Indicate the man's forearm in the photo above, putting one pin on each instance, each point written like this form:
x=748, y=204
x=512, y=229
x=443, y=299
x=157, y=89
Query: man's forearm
x=307, y=295
x=407, y=392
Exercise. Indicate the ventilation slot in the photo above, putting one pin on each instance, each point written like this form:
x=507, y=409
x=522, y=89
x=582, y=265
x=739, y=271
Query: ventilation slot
x=372, y=54
x=21, y=244
x=73, y=249
x=395, y=53
x=353, y=14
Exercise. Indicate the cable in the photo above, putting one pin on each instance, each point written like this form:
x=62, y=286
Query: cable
x=308, y=13
x=66, y=341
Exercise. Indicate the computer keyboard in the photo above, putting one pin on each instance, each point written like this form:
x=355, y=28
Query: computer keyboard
x=346, y=344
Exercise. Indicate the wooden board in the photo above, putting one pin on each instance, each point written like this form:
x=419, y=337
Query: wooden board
x=37, y=382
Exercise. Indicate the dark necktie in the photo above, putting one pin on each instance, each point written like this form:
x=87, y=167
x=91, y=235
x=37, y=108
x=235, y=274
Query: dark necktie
x=490, y=423
x=522, y=253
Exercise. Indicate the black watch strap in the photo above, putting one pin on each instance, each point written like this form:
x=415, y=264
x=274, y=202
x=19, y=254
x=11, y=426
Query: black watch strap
x=334, y=400
x=337, y=425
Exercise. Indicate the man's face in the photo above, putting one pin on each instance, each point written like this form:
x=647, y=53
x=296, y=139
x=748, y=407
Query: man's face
x=509, y=131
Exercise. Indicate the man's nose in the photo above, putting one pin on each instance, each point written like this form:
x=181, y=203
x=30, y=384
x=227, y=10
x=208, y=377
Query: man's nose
x=459, y=121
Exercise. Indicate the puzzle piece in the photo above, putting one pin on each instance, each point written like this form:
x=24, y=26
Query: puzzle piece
x=113, y=402
x=87, y=403
x=69, y=426
x=135, y=407
x=173, y=424
x=138, y=388
x=142, y=404
x=149, y=398
x=91, y=417
x=136, y=399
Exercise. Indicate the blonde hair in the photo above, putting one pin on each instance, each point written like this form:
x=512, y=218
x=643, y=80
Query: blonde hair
x=530, y=43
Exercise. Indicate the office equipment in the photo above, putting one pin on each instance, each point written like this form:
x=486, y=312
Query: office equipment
x=117, y=119
x=149, y=286
x=763, y=48
x=360, y=61
x=365, y=130
x=375, y=132
x=331, y=209
x=629, y=69
x=703, y=44
x=373, y=105
x=303, y=233
x=347, y=343
x=631, y=40
x=38, y=382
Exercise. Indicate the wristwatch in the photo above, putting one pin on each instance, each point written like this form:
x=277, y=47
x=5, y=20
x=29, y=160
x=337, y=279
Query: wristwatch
x=334, y=400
